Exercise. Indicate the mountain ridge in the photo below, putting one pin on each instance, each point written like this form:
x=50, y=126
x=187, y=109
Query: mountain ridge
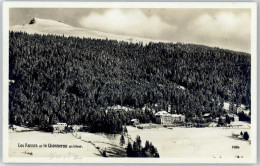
x=46, y=26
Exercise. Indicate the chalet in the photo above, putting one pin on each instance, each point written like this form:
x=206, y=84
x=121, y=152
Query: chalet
x=163, y=117
x=243, y=109
x=76, y=128
x=135, y=122
x=59, y=127
x=226, y=106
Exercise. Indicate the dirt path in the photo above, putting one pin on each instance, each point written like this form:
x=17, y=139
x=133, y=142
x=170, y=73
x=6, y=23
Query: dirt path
x=89, y=142
x=103, y=142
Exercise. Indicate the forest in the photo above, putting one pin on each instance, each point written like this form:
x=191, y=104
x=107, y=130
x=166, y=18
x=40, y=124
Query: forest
x=73, y=80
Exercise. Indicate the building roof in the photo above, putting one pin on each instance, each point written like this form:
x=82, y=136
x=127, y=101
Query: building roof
x=119, y=107
x=226, y=106
x=133, y=120
x=241, y=109
x=206, y=114
x=164, y=113
x=160, y=113
x=61, y=123
x=177, y=115
x=232, y=115
x=56, y=125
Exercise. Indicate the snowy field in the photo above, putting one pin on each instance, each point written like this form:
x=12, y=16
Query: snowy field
x=40, y=138
x=195, y=142
x=175, y=142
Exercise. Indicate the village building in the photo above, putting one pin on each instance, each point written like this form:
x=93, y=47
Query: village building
x=178, y=118
x=11, y=81
x=59, y=127
x=135, y=122
x=163, y=117
x=76, y=128
x=226, y=106
x=207, y=116
x=243, y=109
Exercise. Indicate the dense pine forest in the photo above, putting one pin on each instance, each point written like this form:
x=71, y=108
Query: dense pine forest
x=74, y=80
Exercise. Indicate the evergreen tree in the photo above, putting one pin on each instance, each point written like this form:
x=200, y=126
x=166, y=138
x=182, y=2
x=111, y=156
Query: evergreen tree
x=129, y=150
x=138, y=142
x=228, y=119
x=122, y=140
x=135, y=150
x=246, y=136
x=147, y=145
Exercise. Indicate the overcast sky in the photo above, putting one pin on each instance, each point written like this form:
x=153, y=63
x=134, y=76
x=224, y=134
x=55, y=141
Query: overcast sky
x=225, y=28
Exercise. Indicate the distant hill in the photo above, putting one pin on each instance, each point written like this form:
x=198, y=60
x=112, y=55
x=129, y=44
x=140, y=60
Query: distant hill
x=45, y=26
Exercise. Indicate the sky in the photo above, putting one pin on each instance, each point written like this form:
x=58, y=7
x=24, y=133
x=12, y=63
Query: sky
x=224, y=28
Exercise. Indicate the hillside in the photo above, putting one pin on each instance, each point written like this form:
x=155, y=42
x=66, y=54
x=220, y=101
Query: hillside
x=73, y=80
x=45, y=26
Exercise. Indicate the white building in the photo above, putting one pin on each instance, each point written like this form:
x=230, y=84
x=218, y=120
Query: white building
x=59, y=127
x=135, y=122
x=163, y=117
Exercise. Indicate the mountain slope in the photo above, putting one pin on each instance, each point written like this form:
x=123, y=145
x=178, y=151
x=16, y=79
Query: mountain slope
x=70, y=79
x=44, y=26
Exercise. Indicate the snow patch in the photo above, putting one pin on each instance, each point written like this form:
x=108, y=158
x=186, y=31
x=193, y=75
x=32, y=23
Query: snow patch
x=226, y=106
x=181, y=87
x=44, y=26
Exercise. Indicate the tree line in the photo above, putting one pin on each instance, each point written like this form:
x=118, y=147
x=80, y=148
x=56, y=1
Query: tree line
x=136, y=149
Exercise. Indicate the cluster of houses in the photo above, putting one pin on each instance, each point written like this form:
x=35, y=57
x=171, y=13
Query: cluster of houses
x=162, y=117
x=233, y=117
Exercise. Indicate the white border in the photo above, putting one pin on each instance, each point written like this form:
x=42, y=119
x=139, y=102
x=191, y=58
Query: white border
x=20, y=4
